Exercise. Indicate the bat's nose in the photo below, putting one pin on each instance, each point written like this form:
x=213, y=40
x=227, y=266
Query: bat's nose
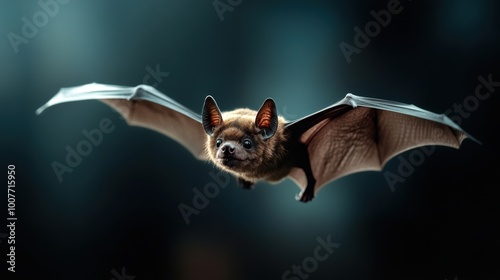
x=228, y=148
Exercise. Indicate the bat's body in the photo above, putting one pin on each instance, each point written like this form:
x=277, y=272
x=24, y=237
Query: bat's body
x=354, y=134
x=255, y=145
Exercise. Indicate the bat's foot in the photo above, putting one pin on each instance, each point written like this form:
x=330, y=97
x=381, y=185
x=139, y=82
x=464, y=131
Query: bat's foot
x=305, y=196
x=247, y=185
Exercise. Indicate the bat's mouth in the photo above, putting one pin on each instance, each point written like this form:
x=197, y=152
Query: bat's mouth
x=230, y=161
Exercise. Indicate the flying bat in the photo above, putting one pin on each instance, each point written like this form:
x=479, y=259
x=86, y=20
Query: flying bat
x=353, y=135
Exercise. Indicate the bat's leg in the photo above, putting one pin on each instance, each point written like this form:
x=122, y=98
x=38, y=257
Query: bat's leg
x=308, y=193
x=303, y=162
x=247, y=185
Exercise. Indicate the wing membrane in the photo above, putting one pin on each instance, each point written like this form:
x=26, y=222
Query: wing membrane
x=143, y=106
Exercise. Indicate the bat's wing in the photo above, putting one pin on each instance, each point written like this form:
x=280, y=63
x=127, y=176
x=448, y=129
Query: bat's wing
x=361, y=133
x=146, y=107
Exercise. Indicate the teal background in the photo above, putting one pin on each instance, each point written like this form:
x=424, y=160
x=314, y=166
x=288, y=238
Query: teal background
x=119, y=207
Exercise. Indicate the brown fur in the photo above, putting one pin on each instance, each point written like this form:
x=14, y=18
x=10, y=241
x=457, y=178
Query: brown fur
x=267, y=158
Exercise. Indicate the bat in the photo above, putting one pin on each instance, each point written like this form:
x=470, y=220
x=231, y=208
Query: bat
x=353, y=135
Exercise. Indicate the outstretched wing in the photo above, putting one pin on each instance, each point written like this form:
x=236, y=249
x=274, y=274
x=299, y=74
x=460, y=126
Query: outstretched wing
x=143, y=106
x=361, y=133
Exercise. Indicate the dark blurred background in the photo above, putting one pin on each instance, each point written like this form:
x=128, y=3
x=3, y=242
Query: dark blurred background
x=116, y=215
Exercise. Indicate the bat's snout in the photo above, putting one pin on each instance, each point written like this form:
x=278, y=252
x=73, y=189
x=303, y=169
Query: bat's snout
x=228, y=149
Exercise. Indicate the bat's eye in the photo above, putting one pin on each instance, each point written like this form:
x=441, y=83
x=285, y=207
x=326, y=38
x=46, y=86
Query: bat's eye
x=247, y=144
x=218, y=143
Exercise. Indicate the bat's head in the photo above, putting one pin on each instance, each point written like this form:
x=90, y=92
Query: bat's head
x=242, y=141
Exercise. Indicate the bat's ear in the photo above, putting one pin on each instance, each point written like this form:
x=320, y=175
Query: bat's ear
x=267, y=119
x=211, y=115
